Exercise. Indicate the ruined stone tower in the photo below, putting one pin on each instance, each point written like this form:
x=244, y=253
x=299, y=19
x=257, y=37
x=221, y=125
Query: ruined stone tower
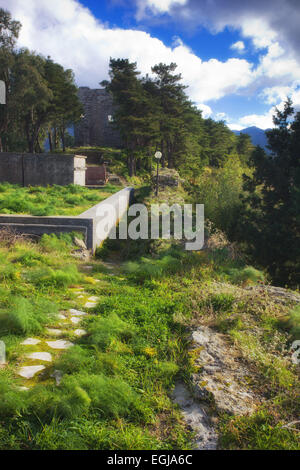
x=96, y=128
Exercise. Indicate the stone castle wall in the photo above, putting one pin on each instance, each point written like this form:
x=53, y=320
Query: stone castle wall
x=95, y=128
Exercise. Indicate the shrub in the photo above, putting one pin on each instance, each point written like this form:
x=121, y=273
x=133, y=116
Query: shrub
x=221, y=302
x=47, y=277
x=245, y=275
x=148, y=268
x=13, y=401
x=74, y=360
x=26, y=316
x=104, y=330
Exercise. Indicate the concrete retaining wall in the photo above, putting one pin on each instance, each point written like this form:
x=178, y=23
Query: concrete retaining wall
x=42, y=169
x=91, y=222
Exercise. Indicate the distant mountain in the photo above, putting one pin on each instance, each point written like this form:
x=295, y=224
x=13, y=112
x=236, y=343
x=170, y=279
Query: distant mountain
x=257, y=135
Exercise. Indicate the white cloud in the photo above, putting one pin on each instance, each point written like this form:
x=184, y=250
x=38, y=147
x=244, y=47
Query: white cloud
x=71, y=35
x=235, y=127
x=263, y=121
x=238, y=46
x=206, y=110
x=157, y=6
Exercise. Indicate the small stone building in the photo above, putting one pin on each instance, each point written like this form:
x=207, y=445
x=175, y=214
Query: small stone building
x=42, y=169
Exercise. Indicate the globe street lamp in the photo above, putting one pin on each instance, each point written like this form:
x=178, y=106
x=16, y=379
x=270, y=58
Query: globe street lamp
x=158, y=156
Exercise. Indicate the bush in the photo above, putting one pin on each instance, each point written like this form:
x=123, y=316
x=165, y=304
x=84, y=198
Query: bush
x=221, y=302
x=80, y=393
x=13, y=401
x=245, y=275
x=50, y=278
x=148, y=268
x=105, y=330
x=26, y=316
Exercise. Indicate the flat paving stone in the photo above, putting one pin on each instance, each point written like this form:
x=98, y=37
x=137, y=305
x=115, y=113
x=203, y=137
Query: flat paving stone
x=31, y=342
x=59, y=344
x=94, y=298
x=80, y=332
x=29, y=371
x=62, y=317
x=41, y=356
x=75, y=320
x=76, y=313
x=54, y=331
x=90, y=304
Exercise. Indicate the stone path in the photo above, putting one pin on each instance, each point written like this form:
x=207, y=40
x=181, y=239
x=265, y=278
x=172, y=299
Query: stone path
x=71, y=320
x=197, y=419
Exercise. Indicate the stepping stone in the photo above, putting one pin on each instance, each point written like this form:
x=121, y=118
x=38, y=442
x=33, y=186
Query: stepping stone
x=54, y=331
x=23, y=389
x=59, y=344
x=31, y=342
x=90, y=304
x=81, y=297
x=57, y=375
x=29, y=371
x=87, y=268
x=76, y=313
x=41, y=356
x=80, y=332
x=94, y=298
x=62, y=317
x=75, y=320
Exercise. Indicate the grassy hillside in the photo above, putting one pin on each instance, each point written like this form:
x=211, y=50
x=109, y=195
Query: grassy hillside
x=117, y=378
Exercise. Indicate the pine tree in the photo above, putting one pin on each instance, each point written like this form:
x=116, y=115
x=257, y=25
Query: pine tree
x=134, y=115
x=271, y=223
x=9, y=32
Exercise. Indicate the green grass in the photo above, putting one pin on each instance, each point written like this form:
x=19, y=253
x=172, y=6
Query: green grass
x=51, y=200
x=117, y=380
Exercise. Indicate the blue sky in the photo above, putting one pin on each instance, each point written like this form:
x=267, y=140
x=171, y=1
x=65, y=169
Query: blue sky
x=238, y=58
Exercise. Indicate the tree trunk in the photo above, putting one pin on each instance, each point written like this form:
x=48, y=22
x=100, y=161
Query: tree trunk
x=170, y=156
x=50, y=141
x=63, y=140
x=163, y=158
x=131, y=165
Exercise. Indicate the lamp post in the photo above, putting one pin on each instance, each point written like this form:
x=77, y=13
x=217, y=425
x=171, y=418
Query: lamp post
x=158, y=156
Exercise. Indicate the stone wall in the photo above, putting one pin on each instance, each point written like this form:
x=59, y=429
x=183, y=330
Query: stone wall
x=42, y=169
x=89, y=223
x=95, y=128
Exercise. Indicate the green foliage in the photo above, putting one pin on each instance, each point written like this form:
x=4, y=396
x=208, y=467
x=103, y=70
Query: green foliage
x=12, y=401
x=292, y=323
x=26, y=317
x=148, y=268
x=47, y=277
x=105, y=330
x=270, y=224
x=245, y=275
x=80, y=393
x=257, y=432
x=41, y=95
x=220, y=190
x=221, y=302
